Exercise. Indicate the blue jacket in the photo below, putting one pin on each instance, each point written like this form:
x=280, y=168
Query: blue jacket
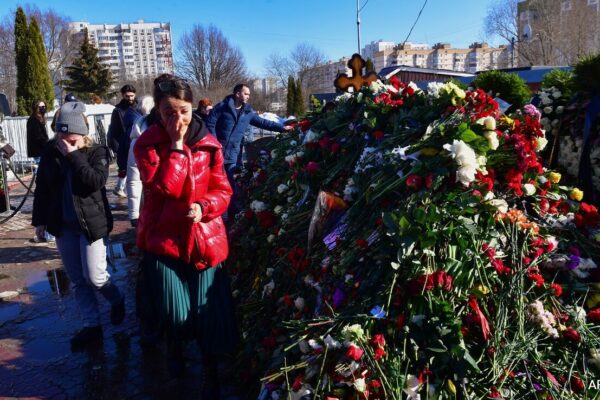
x=223, y=122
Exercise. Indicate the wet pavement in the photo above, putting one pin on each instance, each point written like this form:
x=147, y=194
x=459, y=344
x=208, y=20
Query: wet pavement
x=38, y=316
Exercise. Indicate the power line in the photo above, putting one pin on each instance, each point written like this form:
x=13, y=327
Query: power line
x=364, y=5
x=415, y=23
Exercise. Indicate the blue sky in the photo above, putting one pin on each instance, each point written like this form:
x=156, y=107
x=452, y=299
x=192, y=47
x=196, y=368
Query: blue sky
x=262, y=27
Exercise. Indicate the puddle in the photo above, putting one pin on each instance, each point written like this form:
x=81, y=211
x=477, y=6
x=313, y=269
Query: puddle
x=47, y=282
x=9, y=311
x=41, y=349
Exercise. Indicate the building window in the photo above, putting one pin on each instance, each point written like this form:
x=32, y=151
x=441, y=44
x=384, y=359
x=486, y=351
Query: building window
x=592, y=2
x=566, y=5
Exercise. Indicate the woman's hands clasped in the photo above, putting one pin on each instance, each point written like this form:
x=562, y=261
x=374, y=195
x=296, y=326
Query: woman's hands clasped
x=195, y=212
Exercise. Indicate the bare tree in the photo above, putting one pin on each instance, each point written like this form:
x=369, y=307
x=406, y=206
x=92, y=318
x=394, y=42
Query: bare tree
x=209, y=60
x=298, y=64
x=557, y=35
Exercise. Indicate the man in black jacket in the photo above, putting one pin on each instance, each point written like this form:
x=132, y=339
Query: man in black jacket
x=118, y=136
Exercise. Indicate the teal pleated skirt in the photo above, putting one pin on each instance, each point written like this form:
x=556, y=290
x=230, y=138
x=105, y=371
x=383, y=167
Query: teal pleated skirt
x=187, y=304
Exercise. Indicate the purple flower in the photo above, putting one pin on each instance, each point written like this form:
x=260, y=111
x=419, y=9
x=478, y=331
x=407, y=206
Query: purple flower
x=537, y=387
x=532, y=110
x=338, y=297
x=573, y=262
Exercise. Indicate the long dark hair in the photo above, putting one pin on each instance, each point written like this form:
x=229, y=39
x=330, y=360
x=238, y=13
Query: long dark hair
x=167, y=85
x=35, y=111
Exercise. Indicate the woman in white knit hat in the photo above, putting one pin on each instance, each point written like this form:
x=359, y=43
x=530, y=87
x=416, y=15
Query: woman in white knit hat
x=70, y=203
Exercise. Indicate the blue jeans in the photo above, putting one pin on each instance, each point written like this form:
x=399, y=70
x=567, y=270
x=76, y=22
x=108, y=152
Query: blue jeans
x=85, y=264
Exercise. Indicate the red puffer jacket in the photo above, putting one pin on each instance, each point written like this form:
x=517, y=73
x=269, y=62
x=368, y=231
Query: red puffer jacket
x=172, y=181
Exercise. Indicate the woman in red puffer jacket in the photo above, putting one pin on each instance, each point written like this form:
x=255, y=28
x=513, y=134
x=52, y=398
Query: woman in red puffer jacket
x=185, y=191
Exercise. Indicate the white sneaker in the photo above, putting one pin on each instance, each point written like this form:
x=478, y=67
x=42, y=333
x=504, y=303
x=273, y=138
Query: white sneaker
x=119, y=193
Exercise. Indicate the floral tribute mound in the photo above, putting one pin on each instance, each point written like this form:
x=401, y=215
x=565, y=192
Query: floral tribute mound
x=404, y=244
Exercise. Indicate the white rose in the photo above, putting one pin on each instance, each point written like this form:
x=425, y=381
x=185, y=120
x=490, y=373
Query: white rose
x=293, y=143
x=282, y=188
x=466, y=174
x=548, y=110
x=277, y=210
x=360, y=385
x=331, y=343
x=500, y=204
x=540, y=143
x=529, y=189
x=273, y=153
x=560, y=109
x=555, y=123
x=489, y=123
x=290, y=159
x=300, y=154
x=258, y=206
x=299, y=303
x=556, y=94
x=269, y=271
x=492, y=139
x=270, y=238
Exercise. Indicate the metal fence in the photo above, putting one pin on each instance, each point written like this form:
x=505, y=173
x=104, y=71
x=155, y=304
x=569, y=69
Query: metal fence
x=15, y=131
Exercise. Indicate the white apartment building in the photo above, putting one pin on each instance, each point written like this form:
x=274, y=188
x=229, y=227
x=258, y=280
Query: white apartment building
x=477, y=57
x=376, y=47
x=132, y=51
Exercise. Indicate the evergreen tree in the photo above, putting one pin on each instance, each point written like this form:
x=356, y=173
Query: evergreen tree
x=299, y=100
x=291, y=89
x=21, y=60
x=39, y=84
x=369, y=66
x=87, y=76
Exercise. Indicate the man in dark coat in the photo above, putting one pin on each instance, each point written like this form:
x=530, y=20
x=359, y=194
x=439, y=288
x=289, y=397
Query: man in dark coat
x=228, y=121
x=118, y=135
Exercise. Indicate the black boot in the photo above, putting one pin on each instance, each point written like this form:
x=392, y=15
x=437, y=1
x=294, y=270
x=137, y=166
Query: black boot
x=86, y=338
x=175, y=360
x=117, y=312
x=210, y=381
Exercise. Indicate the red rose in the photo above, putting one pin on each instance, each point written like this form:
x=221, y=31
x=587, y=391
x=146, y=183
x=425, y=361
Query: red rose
x=572, y=335
x=362, y=243
x=304, y=125
x=429, y=181
x=325, y=143
x=379, y=353
x=378, y=340
x=297, y=385
x=312, y=167
x=335, y=148
x=594, y=315
x=378, y=134
x=558, y=290
x=414, y=181
x=577, y=384
x=354, y=352
x=249, y=214
x=266, y=219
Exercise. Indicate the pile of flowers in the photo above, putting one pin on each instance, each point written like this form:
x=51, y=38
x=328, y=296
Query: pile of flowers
x=408, y=244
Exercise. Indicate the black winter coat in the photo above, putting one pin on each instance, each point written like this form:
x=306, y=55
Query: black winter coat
x=37, y=137
x=89, y=173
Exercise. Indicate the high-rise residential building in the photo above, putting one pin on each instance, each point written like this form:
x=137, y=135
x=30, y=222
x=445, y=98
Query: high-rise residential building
x=477, y=57
x=375, y=47
x=132, y=51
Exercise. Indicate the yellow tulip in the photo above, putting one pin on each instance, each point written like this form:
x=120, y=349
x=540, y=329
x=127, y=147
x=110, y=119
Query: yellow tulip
x=482, y=289
x=451, y=387
x=576, y=194
x=593, y=300
x=429, y=151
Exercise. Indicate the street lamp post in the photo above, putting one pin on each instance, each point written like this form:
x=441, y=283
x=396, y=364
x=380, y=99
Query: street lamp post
x=358, y=23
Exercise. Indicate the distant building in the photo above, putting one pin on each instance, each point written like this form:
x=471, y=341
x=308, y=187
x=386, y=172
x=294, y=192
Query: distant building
x=264, y=86
x=132, y=51
x=320, y=78
x=478, y=57
x=376, y=47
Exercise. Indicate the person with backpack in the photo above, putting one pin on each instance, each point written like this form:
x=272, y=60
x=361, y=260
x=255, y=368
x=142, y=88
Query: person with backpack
x=118, y=134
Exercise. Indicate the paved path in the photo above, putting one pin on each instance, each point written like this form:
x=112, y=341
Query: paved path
x=38, y=315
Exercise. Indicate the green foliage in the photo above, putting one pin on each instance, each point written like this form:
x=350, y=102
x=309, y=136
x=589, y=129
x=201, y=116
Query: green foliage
x=21, y=60
x=561, y=80
x=299, y=100
x=369, y=65
x=587, y=73
x=87, y=76
x=33, y=77
x=39, y=84
x=291, y=89
x=509, y=87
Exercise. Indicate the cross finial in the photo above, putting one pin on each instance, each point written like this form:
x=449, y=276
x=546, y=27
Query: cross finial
x=356, y=64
